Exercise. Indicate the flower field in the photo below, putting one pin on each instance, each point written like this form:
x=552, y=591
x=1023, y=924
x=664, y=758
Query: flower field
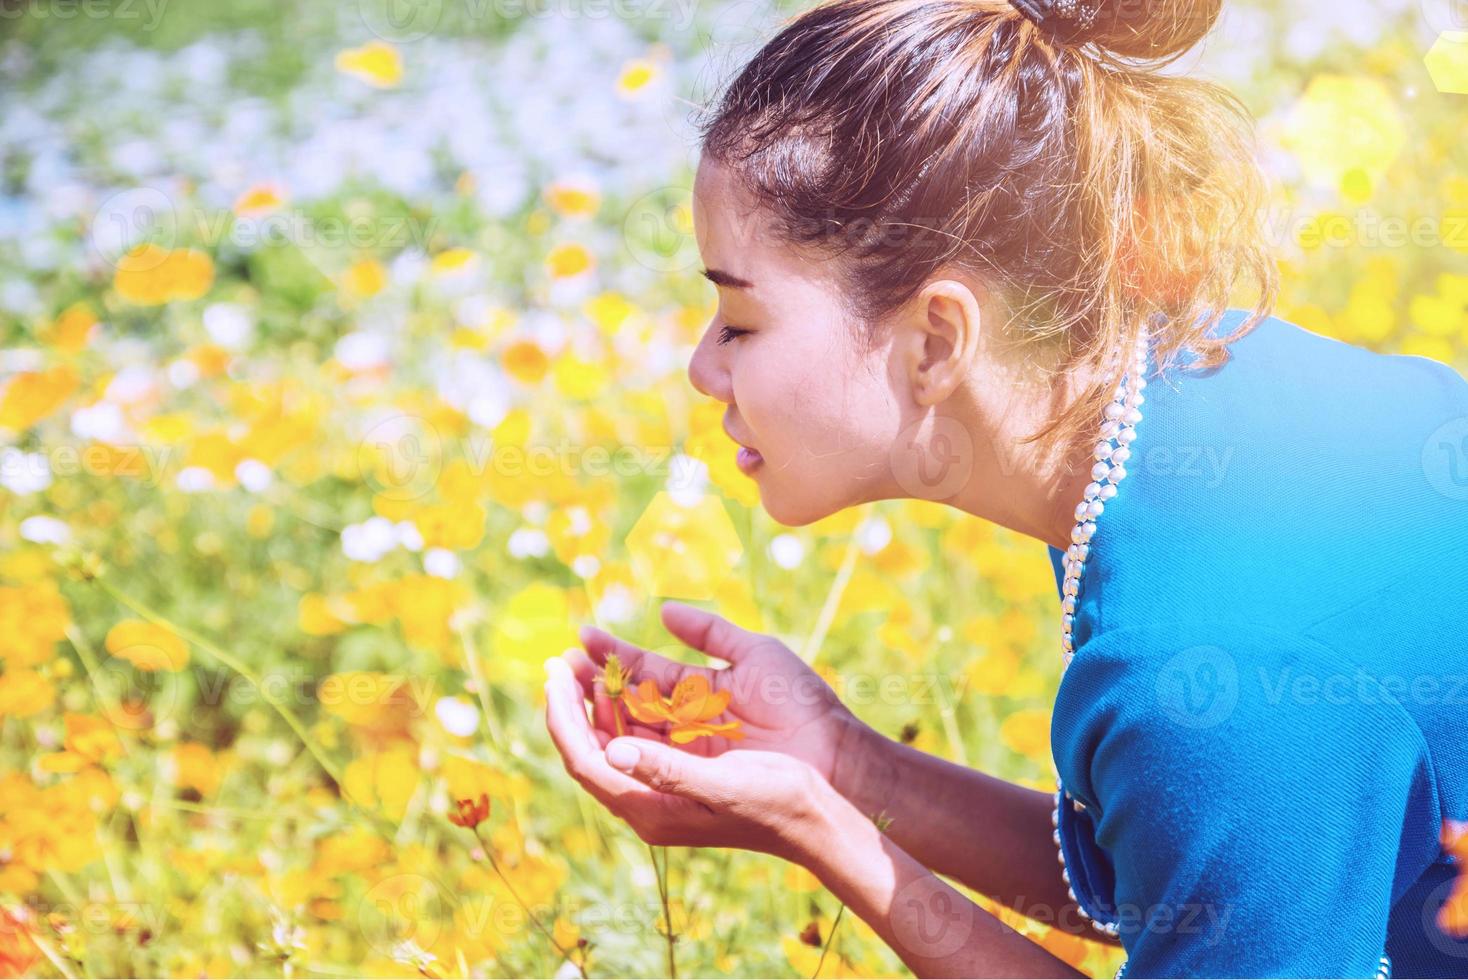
x=342, y=378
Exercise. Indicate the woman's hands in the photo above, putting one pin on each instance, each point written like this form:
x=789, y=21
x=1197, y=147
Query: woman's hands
x=762, y=792
x=742, y=798
x=783, y=705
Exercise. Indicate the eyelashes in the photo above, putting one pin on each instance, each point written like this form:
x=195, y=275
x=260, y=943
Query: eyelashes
x=729, y=333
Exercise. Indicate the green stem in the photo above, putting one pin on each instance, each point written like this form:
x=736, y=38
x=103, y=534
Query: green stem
x=489, y=855
x=660, y=873
x=383, y=825
x=234, y=664
x=827, y=615
x=830, y=938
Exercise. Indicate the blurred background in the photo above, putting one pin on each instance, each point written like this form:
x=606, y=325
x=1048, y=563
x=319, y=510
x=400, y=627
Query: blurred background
x=343, y=376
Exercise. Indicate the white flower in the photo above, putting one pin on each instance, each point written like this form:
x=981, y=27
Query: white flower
x=409, y=536
x=687, y=480
x=229, y=325
x=616, y=605
x=359, y=351
x=22, y=473
x=254, y=475
x=440, y=563
x=874, y=535
x=195, y=479
x=102, y=421
x=45, y=530
x=457, y=716
x=787, y=550
x=528, y=542
x=369, y=540
x=182, y=373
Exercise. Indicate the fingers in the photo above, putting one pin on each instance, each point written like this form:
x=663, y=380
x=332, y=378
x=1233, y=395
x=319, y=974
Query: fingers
x=709, y=632
x=640, y=663
x=670, y=770
x=581, y=751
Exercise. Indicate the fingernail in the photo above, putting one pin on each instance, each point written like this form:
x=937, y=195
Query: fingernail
x=622, y=755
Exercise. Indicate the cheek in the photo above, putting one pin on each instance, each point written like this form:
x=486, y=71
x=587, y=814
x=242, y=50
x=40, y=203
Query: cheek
x=809, y=407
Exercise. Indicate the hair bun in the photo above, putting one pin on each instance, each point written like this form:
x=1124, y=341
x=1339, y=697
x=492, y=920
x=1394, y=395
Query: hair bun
x=1148, y=30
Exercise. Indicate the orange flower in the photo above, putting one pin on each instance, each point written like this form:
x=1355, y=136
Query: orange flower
x=1452, y=918
x=688, y=710
x=18, y=951
x=471, y=813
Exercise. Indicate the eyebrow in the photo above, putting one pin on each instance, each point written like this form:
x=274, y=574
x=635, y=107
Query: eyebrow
x=721, y=278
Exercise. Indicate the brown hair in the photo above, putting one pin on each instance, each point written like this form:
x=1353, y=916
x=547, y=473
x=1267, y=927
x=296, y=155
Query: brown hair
x=1090, y=191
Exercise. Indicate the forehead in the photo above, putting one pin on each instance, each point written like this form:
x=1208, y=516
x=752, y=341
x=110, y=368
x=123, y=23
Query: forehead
x=736, y=234
x=723, y=208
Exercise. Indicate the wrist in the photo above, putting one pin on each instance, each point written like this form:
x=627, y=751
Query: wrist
x=823, y=815
x=864, y=772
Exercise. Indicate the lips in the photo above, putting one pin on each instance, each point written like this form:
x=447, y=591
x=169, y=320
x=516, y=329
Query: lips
x=747, y=459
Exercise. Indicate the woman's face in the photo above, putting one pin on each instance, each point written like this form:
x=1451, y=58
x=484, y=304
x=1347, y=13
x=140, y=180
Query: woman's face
x=817, y=412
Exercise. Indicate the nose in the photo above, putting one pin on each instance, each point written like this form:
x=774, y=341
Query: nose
x=708, y=370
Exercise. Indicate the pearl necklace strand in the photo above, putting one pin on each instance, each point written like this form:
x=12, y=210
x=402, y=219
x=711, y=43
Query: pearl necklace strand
x=1113, y=449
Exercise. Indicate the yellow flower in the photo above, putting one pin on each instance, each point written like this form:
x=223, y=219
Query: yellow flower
x=573, y=198
x=382, y=780
x=378, y=706
x=196, y=767
x=93, y=739
x=454, y=261
x=317, y=615
x=1027, y=732
x=33, y=619
x=578, y=379
x=524, y=361
x=569, y=259
x=147, y=646
x=687, y=711
x=24, y=693
x=261, y=199
x=72, y=329
x=534, y=624
x=151, y=276
x=364, y=278
x=635, y=76
x=377, y=63
x=33, y=395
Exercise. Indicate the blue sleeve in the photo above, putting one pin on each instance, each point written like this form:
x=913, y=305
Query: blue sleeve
x=1253, y=796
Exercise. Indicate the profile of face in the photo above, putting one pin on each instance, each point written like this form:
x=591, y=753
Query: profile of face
x=829, y=412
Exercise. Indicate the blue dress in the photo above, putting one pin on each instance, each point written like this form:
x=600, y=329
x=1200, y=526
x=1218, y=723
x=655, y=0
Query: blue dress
x=1265, y=723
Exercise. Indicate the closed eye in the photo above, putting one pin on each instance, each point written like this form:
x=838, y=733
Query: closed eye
x=729, y=333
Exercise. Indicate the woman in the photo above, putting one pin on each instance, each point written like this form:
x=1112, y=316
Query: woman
x=953, y=240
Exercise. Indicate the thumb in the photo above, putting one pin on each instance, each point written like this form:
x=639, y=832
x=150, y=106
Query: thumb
x=663, y=768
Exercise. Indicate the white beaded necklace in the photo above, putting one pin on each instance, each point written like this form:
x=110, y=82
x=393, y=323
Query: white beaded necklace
x=1113, y=449
x=1118, y=432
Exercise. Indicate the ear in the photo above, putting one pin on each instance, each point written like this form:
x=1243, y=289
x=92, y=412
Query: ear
x=942, y=340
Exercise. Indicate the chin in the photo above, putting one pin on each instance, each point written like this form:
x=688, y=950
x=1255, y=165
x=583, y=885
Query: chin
x=792, y=511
